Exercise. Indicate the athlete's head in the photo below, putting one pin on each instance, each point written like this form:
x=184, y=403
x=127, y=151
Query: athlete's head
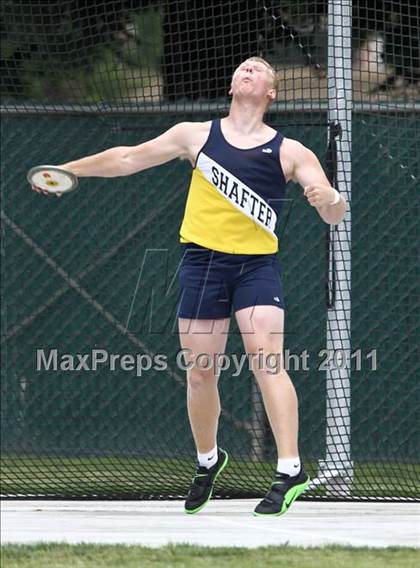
x=257, y=78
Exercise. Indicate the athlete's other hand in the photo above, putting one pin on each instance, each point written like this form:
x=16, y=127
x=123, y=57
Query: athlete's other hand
x=320, y=195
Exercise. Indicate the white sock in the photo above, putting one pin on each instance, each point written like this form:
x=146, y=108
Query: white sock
x=291, y=466
x=209, y=459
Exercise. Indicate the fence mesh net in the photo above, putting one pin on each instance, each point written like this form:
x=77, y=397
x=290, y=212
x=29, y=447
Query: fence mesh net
x=78, y=77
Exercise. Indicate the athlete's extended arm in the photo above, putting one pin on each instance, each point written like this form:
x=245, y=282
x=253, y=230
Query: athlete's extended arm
x=126, y=160
x=309, y=174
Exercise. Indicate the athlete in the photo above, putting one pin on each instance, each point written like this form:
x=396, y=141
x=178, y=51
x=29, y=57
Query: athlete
x=240, y=170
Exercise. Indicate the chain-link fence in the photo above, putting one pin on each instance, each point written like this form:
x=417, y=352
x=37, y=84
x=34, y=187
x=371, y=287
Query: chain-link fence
x=77, y=270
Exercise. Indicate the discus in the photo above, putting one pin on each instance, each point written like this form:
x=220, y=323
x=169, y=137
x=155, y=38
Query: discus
x=52, y=179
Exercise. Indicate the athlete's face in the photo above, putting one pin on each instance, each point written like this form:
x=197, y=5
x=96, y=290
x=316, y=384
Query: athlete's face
x=253, y=78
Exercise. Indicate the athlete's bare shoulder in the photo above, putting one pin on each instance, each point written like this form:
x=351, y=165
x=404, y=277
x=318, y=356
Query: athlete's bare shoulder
x=291, y=151
x=195, y=135
x=291, y=145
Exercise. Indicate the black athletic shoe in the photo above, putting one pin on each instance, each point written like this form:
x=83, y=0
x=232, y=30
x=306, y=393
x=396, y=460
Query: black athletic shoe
x=202, y=485
x=283, y=492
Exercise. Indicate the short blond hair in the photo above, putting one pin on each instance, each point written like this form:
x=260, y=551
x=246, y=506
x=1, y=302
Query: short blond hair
x=276, y=78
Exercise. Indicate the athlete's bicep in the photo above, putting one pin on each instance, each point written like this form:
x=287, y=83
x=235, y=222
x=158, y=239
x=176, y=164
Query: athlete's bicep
x=307, y=169
x=164, y=148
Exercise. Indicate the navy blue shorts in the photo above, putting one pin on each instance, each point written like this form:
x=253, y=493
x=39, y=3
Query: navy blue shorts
x=212, y=283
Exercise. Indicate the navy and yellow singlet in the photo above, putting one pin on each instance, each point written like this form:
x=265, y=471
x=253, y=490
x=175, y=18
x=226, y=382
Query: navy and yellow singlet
x=235, y=196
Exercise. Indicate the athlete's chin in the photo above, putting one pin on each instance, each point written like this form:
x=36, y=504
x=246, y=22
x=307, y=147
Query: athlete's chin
x=249, y=95
x=247, y=87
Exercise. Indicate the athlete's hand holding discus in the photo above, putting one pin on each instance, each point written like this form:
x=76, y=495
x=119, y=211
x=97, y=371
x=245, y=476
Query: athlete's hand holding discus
x=52, y=180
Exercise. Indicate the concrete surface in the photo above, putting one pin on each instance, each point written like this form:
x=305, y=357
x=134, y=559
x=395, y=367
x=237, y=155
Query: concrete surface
x=222, y=523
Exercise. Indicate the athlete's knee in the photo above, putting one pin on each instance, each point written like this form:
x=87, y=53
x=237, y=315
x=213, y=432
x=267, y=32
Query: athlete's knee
x=265, y=357
x=265, y=352
x=269, y=344
x=201, y=378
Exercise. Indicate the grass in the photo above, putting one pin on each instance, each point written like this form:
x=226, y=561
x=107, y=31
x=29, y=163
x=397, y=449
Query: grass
x=139, y=478
x=185, y=556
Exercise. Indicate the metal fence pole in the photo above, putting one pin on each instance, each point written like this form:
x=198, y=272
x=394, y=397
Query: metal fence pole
x=336, y=471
